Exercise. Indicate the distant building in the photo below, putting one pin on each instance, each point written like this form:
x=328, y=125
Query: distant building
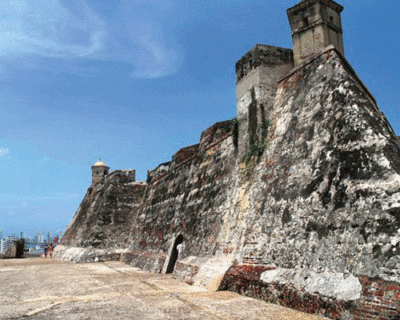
x=5, y=244
x=40, y=237
x=11, y=238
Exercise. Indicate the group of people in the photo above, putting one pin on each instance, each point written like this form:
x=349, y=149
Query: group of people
x=49, y=247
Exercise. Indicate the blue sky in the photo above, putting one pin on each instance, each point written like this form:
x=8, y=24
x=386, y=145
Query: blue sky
x=133, y=81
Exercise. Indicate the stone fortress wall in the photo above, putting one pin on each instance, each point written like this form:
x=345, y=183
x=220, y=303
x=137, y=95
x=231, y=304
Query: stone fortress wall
x=297, y=202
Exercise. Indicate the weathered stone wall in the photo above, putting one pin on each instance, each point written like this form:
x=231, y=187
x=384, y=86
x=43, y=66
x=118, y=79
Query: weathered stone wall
x=329, y=177
x=257, y=75
x=156, y=173
x=313, y=223
x=324, y=200
x=262, y=56
x=327, y=294
x=140, y=222
x=106, y=214
x=188, y=200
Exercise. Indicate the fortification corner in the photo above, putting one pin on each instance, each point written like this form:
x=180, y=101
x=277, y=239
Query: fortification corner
x=257, y=74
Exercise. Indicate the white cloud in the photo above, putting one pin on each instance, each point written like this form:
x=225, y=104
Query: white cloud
x=4, y=151
x=139, y=33
x=148, y=37
x=49, y=28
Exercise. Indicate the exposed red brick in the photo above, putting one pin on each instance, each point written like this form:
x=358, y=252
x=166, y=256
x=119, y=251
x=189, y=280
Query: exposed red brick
x=186, y=153
x=379, y=293
x=393, y=287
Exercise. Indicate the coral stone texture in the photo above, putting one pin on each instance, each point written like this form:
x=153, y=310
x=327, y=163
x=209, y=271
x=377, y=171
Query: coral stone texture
x=104, y=217
x=303, y=211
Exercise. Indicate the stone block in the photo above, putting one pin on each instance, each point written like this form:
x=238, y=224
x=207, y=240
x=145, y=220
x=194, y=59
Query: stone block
x=16, y=250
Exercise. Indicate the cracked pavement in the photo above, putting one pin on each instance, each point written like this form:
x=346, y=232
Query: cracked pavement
x=39, y=288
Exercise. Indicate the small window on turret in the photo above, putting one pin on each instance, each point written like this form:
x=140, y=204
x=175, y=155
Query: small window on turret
x=97, y=172
x=331, y=19
x=305, y=22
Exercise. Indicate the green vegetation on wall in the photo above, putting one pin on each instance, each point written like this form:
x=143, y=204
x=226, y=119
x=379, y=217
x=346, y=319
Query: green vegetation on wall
x=265, y=127
x=256, y=148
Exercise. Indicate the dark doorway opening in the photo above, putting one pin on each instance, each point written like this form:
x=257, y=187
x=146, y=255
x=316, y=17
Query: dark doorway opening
x=174, y=254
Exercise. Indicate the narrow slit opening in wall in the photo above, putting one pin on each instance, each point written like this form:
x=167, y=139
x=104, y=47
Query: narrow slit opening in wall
x=331, y=19
x=305, y=22
x=174, y=254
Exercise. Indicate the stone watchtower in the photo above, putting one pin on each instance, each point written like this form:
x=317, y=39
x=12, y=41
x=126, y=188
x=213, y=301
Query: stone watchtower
x=257, y=75
x=99, y=170
x=315, y=25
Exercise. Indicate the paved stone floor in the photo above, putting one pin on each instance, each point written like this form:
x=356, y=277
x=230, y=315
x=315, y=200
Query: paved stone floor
x=38, y=288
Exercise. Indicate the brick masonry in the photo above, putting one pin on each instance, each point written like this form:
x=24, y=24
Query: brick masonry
x=380, y=299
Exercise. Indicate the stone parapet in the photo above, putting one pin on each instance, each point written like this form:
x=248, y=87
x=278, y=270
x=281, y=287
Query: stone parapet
x=307, y=3
x=262, y=55
x=185, y=153
x=215, y=133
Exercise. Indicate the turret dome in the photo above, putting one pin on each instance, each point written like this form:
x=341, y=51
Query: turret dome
x=99, y=171
x=99, y=164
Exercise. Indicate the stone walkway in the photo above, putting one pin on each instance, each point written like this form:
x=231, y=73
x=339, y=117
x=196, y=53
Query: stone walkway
x=38, y=288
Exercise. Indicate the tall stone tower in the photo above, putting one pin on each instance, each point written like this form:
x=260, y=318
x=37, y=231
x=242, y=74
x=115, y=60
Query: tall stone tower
x=99, y=170
x=257, y=75
x=315, y=24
